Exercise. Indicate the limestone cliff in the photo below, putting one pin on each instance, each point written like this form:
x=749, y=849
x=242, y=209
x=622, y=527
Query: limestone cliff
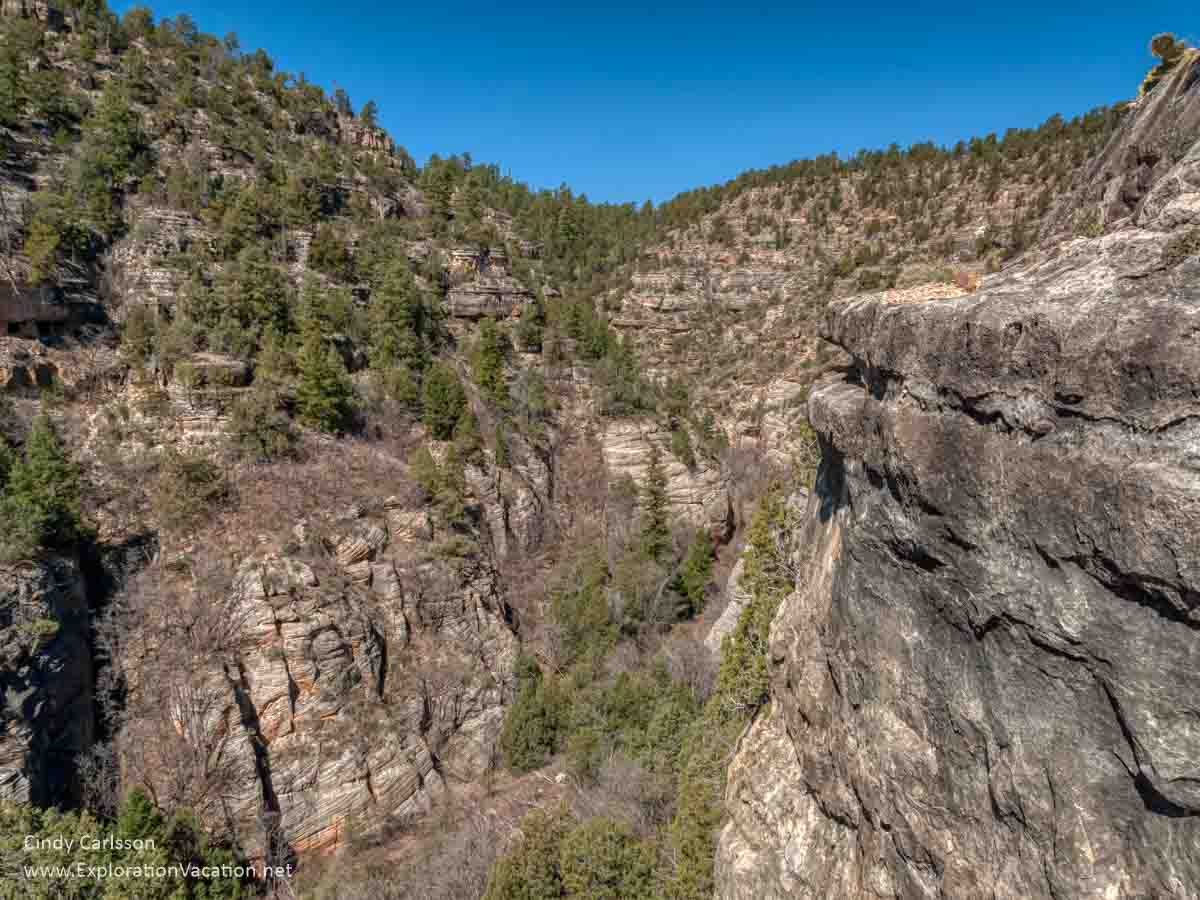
x=338, y=680
x=985, y=681
x=729, y=297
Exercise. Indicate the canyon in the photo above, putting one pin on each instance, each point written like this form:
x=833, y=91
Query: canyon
x=972, y=375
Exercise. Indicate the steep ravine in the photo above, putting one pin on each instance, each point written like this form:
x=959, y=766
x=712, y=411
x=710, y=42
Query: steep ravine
x=987, y=680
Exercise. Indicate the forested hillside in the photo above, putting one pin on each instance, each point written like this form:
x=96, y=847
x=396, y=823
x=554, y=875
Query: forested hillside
x=728, y=294
x=351, y=508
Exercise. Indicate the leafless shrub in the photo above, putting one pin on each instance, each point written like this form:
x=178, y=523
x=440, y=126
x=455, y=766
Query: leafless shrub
x=99, y=772
x=451, y=865
x=627, y=792
x=172, y=637
x=689, y=661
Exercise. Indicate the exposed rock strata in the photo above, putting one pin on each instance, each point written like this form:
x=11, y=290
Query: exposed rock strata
x=985, y=683
x=338, y=696
x=1114, y=187
x=699, y=494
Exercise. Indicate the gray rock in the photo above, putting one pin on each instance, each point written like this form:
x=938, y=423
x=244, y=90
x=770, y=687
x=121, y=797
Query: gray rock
x=985, y=683
x=736, y=600
x=46, y=680
x=1117, y=186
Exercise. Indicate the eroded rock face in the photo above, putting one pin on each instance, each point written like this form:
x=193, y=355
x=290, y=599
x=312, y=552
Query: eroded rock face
x=46, y=680
x=339, y=694
x=699, y=494
x=1114, y=187
x=482, y=285
x=986, y=682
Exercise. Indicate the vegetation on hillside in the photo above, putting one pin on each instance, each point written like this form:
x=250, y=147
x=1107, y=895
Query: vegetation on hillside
x=313, y=273
x=668, y=728
x=137, y=853
x=39, y=496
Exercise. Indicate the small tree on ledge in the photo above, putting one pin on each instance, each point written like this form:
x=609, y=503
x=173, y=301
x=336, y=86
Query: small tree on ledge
x=1169, y=50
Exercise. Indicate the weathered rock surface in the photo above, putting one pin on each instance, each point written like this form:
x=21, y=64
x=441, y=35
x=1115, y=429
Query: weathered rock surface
x=699, y=494
x=985, y=683
x=737, y=597
x=335, y=694
x=736, y=600
x=46, y=680
x=482, y=285
x=1113, y=188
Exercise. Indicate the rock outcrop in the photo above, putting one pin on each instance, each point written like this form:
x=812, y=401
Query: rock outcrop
x=332, y=694
x=46, y=680
x=985, y=682
x=482, y=285
x=699, y=494
x=1113, y=188
x=729, y=301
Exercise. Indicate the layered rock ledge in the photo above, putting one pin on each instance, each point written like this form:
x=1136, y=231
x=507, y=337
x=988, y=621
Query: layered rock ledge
x=985, y=683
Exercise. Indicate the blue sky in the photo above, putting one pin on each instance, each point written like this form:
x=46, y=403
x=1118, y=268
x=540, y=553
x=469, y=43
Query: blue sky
x=629, y=101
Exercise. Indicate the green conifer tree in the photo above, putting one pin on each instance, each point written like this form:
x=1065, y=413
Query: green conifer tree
x=398, y=321
x=442, y=400
x=487, y=362
x=530, y=871
x=40, y=505
x=7, y=459
x=696, y=572
x=656, y=527
x=324, y=395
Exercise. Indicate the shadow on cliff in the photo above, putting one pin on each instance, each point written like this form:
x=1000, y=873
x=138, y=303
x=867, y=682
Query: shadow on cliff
x=830, y=486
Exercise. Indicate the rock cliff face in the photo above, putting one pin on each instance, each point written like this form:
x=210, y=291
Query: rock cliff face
x=46, y=682
x=342, y=690
x=699, y=494
x=730, y=301
x=481, y=285
x=985, y=682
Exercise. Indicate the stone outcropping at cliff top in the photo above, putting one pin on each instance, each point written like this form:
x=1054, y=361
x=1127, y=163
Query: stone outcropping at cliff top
x=985, y=683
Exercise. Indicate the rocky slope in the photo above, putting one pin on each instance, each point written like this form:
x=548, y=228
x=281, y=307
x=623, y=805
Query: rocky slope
x=328, y=647
x=984, y=683
x=730, y=299
x=329, y=692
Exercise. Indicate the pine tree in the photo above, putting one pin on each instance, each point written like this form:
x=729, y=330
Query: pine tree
x=439, y=182
x=398, y=321
x=328, y=254
x=323, y=311
x=530, y=327
x=324, y=395
x=250, y=298
x=603, y=858
x=443, y=401
x=139, y=818
x=696, y=572
x=7, y=460
x=530, y=730
x=258, y=426
x=487, y=363
x=40, y=505
x=369, y=115
x=501, y=441
x=656, y=528
x=530, y=870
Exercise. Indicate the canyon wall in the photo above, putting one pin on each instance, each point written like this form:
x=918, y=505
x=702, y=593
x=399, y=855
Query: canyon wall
x=985, y=682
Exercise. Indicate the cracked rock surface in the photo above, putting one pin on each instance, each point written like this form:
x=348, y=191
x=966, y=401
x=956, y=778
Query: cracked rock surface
x=986, y=683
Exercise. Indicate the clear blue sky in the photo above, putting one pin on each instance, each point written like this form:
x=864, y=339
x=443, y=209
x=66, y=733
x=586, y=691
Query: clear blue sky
x=628, y=101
